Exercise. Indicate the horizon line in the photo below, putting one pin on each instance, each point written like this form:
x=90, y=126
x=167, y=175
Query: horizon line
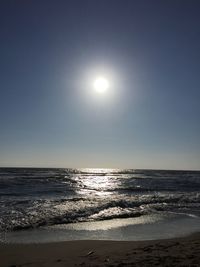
x=102, y=168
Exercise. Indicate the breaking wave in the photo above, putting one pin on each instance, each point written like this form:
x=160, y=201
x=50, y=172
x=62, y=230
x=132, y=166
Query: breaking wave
x=31, y=198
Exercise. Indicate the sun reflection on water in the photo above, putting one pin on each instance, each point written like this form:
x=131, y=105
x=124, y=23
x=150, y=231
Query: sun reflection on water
x=98, y=170
x=102, y=181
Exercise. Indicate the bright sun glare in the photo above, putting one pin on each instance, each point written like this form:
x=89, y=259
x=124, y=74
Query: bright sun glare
x=101, y=85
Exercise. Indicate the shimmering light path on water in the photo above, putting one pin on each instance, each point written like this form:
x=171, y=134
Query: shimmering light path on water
x=31, y=198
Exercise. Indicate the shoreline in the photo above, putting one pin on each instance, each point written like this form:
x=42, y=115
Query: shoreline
x=143, y=228
x=183, y=251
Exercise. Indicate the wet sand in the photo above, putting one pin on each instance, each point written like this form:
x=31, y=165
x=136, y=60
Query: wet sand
x=170, y=252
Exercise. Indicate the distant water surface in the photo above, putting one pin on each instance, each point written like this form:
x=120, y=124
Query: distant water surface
x=32, y=197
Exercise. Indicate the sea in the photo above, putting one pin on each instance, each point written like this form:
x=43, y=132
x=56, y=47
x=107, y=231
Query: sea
x=58, y=204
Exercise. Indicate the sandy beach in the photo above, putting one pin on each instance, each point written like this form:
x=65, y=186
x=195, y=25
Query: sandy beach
x=170, y=252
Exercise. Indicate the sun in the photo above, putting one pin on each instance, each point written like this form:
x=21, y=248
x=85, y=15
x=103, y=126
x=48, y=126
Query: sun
x=101, y=85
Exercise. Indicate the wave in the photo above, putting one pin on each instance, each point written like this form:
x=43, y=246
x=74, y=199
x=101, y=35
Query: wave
x=28, y=213
x=30, y=198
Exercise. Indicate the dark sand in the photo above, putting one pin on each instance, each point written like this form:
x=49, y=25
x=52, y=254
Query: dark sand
x=172, y=252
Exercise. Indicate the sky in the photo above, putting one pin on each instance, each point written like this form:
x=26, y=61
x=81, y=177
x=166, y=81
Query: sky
x=51, y=52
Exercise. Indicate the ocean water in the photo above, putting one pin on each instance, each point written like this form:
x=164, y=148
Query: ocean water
x=78, y=200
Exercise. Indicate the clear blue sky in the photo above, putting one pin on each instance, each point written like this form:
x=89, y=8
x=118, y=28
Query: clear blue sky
x=50, y=53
